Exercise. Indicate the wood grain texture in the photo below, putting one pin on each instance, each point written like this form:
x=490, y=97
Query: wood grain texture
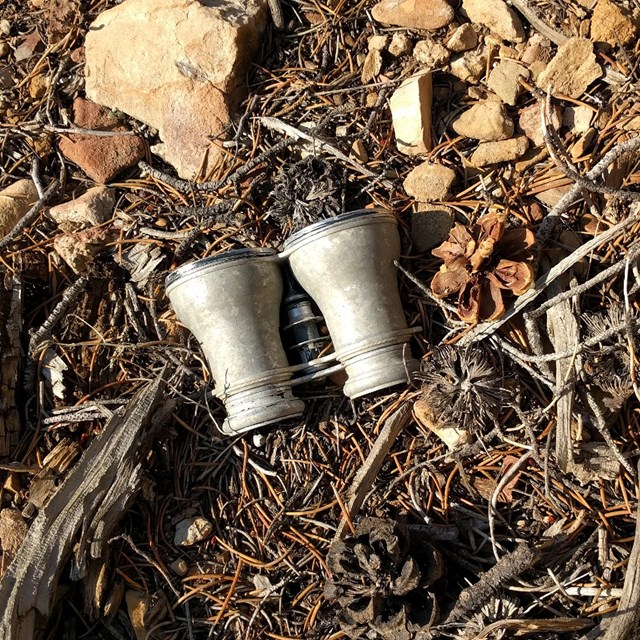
x=91, y=499
x=10, y=325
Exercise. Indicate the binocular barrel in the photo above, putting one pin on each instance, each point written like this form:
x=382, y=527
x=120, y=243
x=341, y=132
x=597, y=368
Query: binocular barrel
x=232, y=304
x=346, y=264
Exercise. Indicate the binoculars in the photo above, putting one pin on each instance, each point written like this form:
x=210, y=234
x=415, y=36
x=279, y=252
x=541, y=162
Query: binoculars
x=233, y=304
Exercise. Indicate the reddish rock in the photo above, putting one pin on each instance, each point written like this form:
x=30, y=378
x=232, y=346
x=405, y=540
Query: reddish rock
x=101, y=158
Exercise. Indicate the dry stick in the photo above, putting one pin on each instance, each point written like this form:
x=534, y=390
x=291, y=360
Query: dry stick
x=601, y=426
x=585, y=286
x=538, y=24
x=68, y=296
x=510, y=566
x=626, y=620
x=39, y=337
x=187, y=185
x=277, y=125
x=552, y=218
x=486, y=329
x=30, y=216
x=554, y=146
x=393, y=425
x=552, y=357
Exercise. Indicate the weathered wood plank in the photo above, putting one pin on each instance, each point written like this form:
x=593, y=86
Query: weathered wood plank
x=89, y=501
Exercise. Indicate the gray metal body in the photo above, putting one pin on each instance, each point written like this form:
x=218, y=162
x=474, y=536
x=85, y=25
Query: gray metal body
x=231, y=304
x=346, y=264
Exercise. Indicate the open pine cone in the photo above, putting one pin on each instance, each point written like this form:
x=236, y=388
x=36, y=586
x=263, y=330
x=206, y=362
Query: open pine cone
x=381, y=589
x=482, y=263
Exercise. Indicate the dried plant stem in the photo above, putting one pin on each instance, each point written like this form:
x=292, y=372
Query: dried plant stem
x=31, y=215
x=187, y=185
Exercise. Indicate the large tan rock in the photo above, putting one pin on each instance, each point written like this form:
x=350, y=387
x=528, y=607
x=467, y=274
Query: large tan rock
x=611, y=25
x=572, y=69
x=469, y=67
x=428, y=182
x=497, y=16
x=487, y=121
x=15, y=201
x=414, y=14
x=411, y=112
x=463, y=38
x=176, y=65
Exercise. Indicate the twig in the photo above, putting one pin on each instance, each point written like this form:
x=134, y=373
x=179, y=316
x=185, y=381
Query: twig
x=75, y=129
x=30, y=216
x=187, y=185
x=277, y=125
x=538, y=24
x=493, y=505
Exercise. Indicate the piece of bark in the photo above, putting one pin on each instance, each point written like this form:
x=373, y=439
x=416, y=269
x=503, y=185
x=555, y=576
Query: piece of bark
x=564, y=333
x=365, y=477
x=510, y=566
x=92, y=498
x=10, y=325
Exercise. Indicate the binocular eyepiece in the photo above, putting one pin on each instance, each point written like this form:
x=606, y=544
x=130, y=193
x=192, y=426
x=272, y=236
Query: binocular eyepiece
x=233, y=304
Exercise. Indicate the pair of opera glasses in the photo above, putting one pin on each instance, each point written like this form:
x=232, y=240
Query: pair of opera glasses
x=233, y=303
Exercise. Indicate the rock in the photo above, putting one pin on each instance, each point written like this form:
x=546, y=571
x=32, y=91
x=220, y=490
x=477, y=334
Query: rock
x=504, y=80
x=430, y=225
x=552, y=196
x=429, y=181
x=191, y=531
x=578, y=118
x=502, y=151
x=536, y=55
x=531, y=157
x=372, y=66
x=15, y=201
x=139, y=608
x=13, y=531
x=89, y=210
x=359, y=152
x=610, y=24
x=582, y=144
x=463, y=38
x=537, y=49
x=79, y=249
x=179, y=566
x=411, y=112
x=400, y=45
x=176, y=65
x=469, y=67
x=38, y=86
x=28, y=47
x=530, y=122
x=101, y=158
x=414, y=14
x=487, y=121
x=497, y=16
x=572, y=69
x=430, y=54
x=378, y=43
